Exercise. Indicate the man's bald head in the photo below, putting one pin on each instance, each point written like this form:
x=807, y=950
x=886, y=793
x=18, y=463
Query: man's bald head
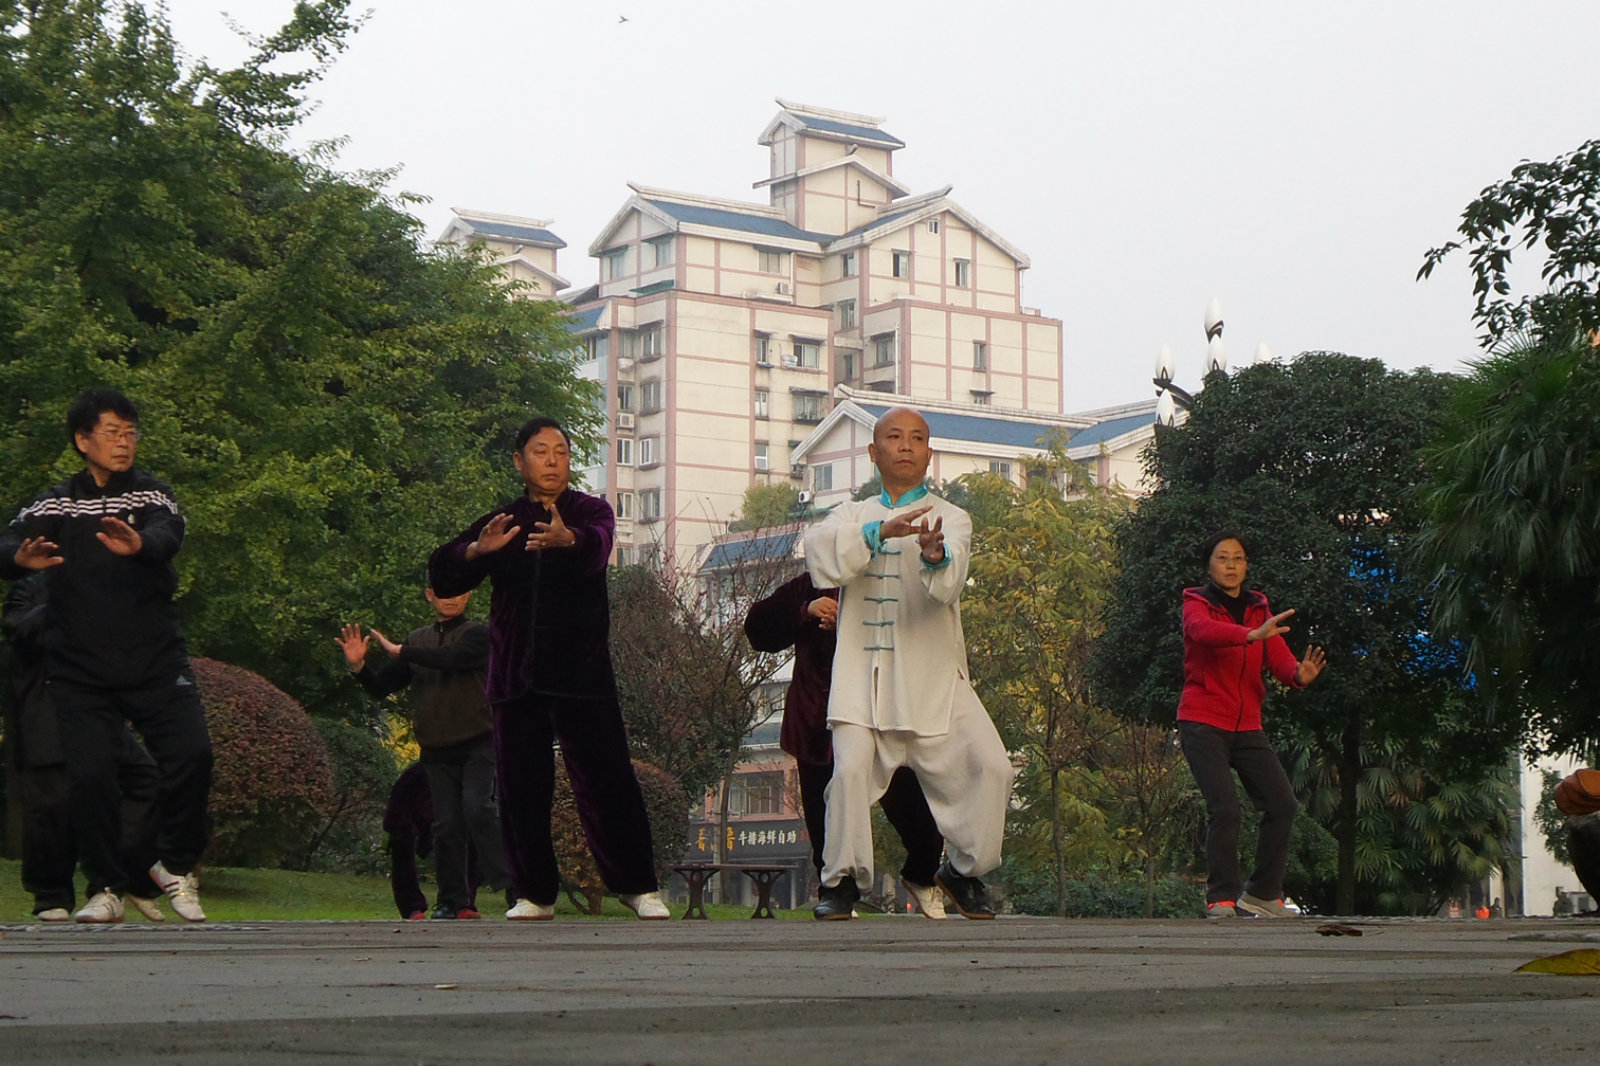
x=900, y=450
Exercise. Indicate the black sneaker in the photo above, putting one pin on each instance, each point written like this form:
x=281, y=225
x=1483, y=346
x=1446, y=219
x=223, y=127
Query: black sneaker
x=443, y=912
x=967, y=893
x=838, y=901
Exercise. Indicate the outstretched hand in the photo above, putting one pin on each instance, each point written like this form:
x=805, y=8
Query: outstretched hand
x=930, y=538
x=37, y=553
x=354, y=646
x=386, y=644
x=119, y=537
x=495, y=534
x=1270, y=628
x=551, y=534
x=1310, y=666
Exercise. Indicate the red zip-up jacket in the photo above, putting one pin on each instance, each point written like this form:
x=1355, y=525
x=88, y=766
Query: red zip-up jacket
x=1222, y=683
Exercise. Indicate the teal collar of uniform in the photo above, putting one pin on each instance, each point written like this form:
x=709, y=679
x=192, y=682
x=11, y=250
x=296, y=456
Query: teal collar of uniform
x=910, y=497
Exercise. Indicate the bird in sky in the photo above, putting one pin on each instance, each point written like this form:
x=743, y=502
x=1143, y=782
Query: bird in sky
x=621, y=19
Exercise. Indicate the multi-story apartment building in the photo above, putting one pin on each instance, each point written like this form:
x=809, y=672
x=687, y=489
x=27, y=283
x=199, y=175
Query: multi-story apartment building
x=524, y=248
x=721, y=327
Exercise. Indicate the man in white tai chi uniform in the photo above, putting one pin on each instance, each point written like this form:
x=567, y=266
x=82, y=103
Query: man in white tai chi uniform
x=901, y=693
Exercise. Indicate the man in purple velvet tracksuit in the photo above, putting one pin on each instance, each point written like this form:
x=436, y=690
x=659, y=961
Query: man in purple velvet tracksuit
x=550, y=676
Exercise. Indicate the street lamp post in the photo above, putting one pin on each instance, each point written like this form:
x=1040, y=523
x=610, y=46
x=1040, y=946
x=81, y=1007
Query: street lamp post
x=1170, y=397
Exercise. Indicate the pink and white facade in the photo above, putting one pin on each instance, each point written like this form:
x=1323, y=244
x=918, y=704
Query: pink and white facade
x=721, y=328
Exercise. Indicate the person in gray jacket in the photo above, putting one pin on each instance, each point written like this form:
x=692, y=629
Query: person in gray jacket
x=444, y=664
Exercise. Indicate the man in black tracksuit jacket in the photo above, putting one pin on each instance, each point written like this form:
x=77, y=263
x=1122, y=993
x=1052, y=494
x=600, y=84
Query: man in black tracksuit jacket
x=444, y=664
x=105, y=539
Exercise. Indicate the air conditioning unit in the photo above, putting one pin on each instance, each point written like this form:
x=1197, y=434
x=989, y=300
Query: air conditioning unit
x=624, y=419
x=761, y=462
x=804, y=497
x=783, y=288
x=791, y=360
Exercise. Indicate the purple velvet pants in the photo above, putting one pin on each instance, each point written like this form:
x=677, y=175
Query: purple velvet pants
x=594, y=746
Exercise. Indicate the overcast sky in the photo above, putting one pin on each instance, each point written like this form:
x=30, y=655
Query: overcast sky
x=1295, y=160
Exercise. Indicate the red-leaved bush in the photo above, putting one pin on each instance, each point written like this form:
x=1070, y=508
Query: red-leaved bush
x=667, y=807
x=274, y=780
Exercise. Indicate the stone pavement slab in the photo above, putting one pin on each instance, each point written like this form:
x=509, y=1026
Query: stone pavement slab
x=1018, y=990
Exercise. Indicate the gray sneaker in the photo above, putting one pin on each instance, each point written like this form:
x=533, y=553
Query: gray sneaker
x=1222, y=908
x=1265, y=908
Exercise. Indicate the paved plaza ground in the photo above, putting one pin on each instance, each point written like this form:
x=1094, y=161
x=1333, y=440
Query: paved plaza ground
x=885, y=990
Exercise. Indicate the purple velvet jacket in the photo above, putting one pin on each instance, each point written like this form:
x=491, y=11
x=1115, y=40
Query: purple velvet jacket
x=549, y=620
x=778, y=622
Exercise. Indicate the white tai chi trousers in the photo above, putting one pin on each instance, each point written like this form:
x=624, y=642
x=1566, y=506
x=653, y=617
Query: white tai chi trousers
x=965, y=773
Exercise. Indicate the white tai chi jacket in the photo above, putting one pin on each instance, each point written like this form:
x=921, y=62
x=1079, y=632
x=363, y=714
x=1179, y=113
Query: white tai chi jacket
x=901, y=652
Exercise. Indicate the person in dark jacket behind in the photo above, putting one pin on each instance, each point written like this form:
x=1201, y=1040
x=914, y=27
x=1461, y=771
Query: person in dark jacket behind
x=105, y=539
x=801, y=616
x=551, y=679
x=49, y=855
x=408, y=827
x=1227, y=634
x=444, y=665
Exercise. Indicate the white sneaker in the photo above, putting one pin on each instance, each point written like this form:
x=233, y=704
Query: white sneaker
x=647, y=905
x=929, y=899
x=526, y=910
x=103, y=908
x=54, y=914
x=182, y=889
x=147, y=907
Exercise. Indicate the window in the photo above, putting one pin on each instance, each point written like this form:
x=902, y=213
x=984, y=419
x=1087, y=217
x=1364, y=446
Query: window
x=650, y=505
x=661, y=251
x=763, y=402
x=807, y=353
x=649, y=451
x=624, y=451
x=626, y=502
x=933, y=225
x=848, y=362
x=847, y=265
x=807, y=407
x=997, y=466
x=963, y=273
x=616, y=263
x=625, y=396
x=650, y=396
x=763, y=346
x=981, y=397
x=847, y=314
x=761, y=455
x=883, y=350
x=822, y=478
x=902, y=264
x=652, y=343
x=772, y=262
x=599, y=346
x=980, y=355
x=627, y=555
x=756, y=794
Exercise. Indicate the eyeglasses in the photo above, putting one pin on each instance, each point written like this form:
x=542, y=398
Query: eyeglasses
x=129, y=435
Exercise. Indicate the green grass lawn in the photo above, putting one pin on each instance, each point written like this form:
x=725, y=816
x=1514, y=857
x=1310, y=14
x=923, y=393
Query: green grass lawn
x=233, y=895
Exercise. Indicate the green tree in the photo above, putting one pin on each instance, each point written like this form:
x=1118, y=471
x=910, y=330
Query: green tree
x=1512, y=505
x=329, y=400
x=766, y=506
x=1555, y=207
x=1040, y=573
x=1316, y=463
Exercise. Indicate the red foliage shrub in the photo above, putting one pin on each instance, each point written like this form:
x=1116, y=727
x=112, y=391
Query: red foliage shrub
x=667, y=806
x=274, y=779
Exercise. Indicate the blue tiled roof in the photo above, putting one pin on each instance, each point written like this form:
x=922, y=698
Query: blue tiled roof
x=751, y=549
x=988, y=430
x=526, y=234
x=762, y=224
x=860, y=133
x=1113, y=427
x=582, y=321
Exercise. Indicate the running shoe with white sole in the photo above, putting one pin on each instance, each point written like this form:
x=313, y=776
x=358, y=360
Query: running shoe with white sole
x=526, y=910
x=103, y=908
x=182, y=889
x=647, y=905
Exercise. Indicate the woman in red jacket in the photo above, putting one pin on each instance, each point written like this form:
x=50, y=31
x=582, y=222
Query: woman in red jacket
x=1228, y=635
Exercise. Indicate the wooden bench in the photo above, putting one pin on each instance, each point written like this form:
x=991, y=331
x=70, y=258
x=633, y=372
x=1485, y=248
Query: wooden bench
x=696, y=874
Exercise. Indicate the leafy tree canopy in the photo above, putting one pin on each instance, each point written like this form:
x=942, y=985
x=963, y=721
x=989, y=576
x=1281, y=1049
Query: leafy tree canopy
x=329, y=400
x=766, y=506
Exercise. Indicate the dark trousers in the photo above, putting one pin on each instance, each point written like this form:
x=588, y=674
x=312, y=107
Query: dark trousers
x=49, y=852
x=406, y=884
x=1213, y=755
x=594, y=747
x=172, y=722
x=466, y=815
x=903, y=805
